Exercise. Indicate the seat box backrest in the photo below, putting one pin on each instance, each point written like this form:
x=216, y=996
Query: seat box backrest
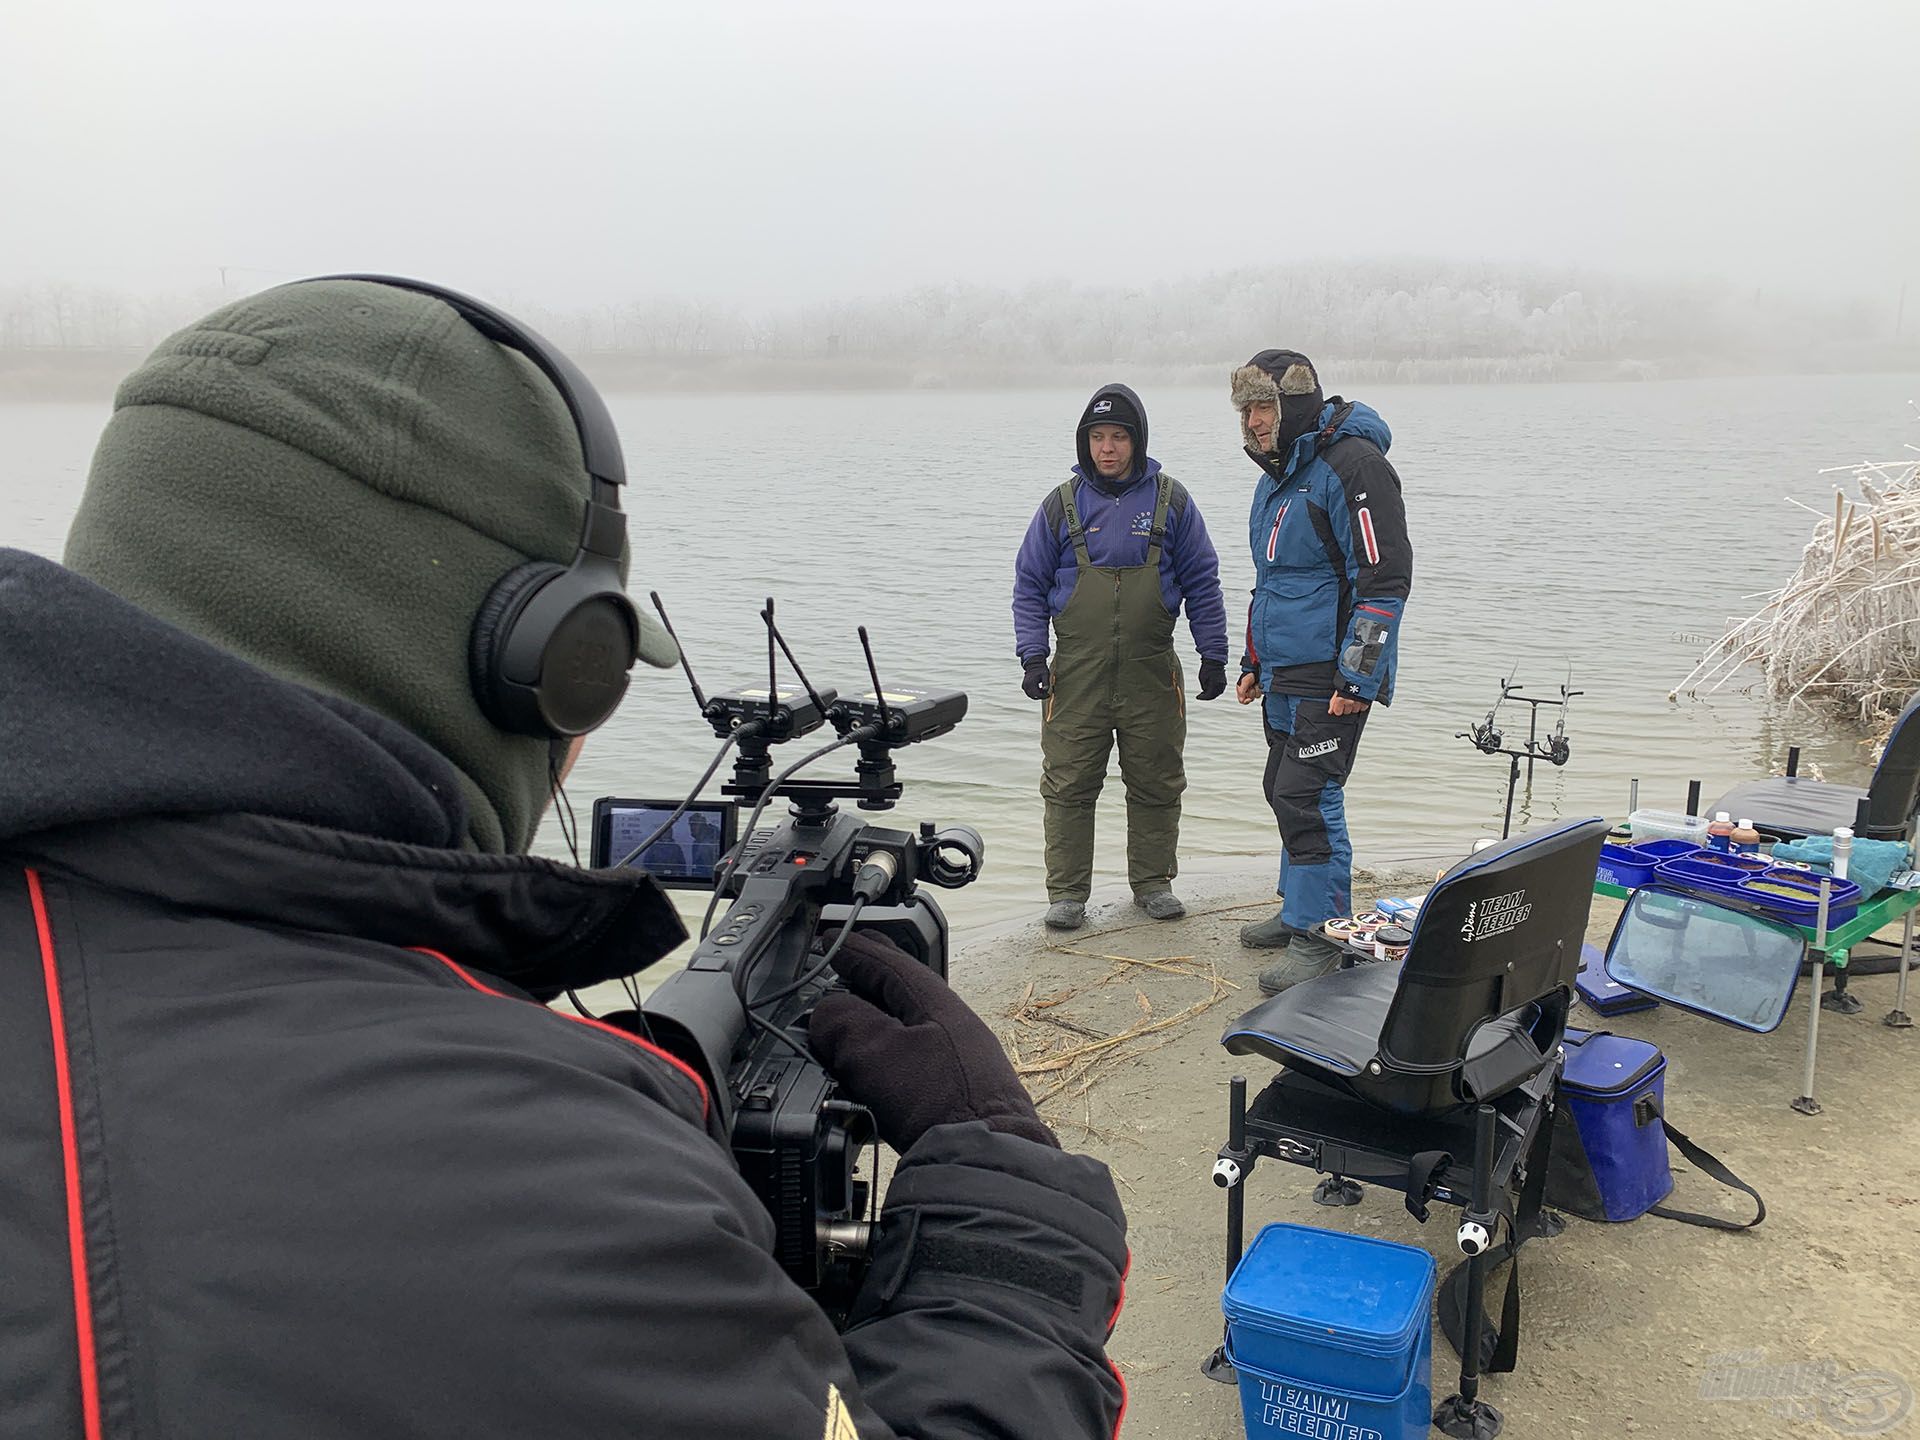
x=1501, y=930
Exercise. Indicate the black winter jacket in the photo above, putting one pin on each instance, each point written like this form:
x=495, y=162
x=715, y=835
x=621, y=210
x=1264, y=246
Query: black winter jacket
x=289, y=1148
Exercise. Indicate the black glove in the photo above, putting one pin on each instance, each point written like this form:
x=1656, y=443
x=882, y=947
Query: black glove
x=1213, y=678
x=1034, y=682
x=910, y=1050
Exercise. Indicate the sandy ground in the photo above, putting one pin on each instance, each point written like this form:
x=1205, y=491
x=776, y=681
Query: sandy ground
x=1628, y=1329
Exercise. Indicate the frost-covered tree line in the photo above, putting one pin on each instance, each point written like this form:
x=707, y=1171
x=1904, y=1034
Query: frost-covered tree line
x=1381, y=315
x=1367, y=315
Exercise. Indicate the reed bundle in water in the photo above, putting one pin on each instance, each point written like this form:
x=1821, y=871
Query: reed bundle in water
x=1844, y=633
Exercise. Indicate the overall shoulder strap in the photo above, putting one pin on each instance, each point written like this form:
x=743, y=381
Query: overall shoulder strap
x=1160, y=503
x=1071, y=511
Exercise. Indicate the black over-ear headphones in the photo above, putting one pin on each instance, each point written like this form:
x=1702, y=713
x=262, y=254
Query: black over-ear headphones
x=552, y=644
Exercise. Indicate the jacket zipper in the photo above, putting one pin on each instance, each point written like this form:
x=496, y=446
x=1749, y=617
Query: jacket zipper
x=1274, y=539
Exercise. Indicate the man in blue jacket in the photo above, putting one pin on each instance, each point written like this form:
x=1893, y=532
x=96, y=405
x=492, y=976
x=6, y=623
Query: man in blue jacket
x=1332, y=568
x=1109, y=559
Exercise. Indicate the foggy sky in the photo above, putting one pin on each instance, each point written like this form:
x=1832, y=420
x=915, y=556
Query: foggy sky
x=570, y=152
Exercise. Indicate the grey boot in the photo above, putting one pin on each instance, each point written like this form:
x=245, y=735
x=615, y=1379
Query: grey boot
x=1161, y=905
x=1308, y=957
x=1269, y=934
x=1066, y=915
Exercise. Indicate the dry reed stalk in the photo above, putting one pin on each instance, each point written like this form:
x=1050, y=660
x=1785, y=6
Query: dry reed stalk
x=1843, y=634
x=1070, y=1069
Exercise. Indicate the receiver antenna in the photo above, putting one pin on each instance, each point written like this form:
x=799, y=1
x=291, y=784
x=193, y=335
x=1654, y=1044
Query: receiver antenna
x=699, y=696
x=773, y=680
x=879, y=695
x=787, y=650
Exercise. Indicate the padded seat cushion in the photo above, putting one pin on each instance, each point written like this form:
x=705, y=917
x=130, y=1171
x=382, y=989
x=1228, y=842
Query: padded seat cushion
x=1792, y=805
x=1332, y=1024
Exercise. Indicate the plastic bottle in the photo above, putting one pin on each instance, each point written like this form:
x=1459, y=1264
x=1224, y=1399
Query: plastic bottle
x=1720, y=832
x=1842, y=851
x=1746, y=839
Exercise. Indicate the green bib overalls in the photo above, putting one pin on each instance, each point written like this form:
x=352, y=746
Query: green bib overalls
x=1114, y=673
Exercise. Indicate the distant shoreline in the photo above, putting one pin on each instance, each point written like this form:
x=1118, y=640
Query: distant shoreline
x=92, y=375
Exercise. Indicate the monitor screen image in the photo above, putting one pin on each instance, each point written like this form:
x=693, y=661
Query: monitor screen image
x=686, y=854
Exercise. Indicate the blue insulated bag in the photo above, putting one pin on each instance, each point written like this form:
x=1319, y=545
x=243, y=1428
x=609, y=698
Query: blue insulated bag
x=1610, y=1136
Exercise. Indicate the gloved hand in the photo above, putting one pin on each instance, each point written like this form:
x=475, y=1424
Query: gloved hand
x=1034, y=682
x=1213, y=678
x=906, y=1047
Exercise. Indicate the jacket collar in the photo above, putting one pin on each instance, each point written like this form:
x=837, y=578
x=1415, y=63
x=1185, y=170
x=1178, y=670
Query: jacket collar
x=542, y=926
x=146, y=760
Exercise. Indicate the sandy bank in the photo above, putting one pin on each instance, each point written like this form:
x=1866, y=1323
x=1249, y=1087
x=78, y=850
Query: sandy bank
x=1622, y=1323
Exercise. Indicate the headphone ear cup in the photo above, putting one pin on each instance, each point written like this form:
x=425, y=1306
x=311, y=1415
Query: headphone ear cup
x=503, y=703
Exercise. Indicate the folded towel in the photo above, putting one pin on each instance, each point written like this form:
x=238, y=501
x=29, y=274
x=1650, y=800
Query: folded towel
x=1872, y=864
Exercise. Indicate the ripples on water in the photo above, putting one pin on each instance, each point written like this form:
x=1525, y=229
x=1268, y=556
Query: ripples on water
x=1602, y=524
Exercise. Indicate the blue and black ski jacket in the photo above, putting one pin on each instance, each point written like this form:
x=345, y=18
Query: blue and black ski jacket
x=1332, y=562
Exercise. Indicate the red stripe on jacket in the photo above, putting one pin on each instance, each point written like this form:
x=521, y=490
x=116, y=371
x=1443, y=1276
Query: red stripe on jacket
x=706, y=1100
x=1112, y=1320
x=70, y=1156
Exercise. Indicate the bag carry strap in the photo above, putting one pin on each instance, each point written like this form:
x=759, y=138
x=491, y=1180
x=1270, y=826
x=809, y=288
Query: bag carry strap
x=1500, y=1345
x=1499, y=1348
x=1702, y=1160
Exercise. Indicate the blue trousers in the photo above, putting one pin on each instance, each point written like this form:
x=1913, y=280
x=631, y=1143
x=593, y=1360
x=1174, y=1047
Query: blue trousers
x=1309, y=756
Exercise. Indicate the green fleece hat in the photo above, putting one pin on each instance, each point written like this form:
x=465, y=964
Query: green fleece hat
x=326, y=480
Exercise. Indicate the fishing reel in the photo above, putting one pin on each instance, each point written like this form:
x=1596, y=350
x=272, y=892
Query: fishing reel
x=1485, y=738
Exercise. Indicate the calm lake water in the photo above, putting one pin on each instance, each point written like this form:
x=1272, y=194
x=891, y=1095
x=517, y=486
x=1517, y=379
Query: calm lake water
x=1607, y=526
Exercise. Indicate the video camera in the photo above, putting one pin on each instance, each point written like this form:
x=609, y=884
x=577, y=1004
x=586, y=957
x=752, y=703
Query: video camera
x=738, y=1012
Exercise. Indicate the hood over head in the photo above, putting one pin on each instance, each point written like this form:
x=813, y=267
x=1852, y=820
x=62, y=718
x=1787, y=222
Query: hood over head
x=1113, y=405
x=327, y=480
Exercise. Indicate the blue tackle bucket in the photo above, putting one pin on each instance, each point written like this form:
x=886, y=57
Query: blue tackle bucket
x=1272, y=1405
x=1328, y=1330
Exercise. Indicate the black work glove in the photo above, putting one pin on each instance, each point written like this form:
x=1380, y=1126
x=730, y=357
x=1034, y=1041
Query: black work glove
x=1213, y=679
x=906, y=1047
x=1034, y=682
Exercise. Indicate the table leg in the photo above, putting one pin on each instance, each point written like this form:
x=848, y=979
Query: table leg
x=1897, y=1017
x=1806, y=1104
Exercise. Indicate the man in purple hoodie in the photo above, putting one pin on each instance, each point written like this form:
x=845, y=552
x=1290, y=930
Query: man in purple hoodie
x=1109, y=559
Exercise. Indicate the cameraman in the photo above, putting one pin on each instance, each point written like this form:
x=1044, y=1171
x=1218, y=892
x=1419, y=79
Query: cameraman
x=285, y=1146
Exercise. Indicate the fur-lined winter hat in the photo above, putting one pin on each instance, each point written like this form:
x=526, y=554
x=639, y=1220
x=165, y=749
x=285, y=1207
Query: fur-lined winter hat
x=1287, y=380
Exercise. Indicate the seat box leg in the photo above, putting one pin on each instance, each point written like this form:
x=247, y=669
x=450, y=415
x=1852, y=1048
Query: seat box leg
x=1464, y=1414
x=1841, y=999
x=1230, y=1173
x=1337, y=1190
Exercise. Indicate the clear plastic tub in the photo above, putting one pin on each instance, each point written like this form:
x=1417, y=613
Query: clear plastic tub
x=1667, y=825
